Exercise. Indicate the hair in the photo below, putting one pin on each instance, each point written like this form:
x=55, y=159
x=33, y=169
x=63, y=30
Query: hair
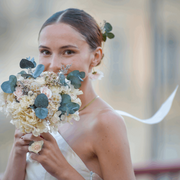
x=82, y=22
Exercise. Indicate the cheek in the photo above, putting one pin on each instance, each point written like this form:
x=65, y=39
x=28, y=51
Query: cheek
x=44, y=62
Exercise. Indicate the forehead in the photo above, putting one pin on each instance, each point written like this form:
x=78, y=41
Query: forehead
x=61, y=34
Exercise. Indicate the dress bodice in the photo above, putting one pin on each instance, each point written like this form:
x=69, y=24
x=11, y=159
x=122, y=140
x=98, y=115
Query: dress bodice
x=34, y=170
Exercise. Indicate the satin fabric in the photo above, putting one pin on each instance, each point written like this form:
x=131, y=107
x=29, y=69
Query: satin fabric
x=34, y=170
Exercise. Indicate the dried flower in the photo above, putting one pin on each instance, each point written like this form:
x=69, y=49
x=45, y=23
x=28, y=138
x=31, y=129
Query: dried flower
x=96, y=75
x=36, y=146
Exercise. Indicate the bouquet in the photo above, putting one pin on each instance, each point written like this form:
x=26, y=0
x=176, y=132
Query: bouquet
x=40, y=101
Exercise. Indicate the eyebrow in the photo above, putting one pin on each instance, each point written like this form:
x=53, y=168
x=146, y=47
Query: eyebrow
x=63, y=47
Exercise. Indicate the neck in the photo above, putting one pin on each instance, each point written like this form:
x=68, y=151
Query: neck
x=88, y=92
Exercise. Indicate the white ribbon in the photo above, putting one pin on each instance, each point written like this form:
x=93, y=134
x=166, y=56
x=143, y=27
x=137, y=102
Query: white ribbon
x=160, y=114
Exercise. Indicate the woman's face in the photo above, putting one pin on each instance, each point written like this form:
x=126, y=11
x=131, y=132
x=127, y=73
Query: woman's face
x=60, y=44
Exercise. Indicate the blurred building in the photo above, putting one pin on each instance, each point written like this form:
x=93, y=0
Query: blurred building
x=140, y=65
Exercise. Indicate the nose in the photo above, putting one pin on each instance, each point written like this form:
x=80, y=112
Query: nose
x=55, y=64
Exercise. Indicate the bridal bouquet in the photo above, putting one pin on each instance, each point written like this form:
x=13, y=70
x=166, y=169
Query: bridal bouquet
x=39, y=101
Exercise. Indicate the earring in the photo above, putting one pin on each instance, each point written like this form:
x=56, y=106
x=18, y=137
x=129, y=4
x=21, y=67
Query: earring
x=96, y=74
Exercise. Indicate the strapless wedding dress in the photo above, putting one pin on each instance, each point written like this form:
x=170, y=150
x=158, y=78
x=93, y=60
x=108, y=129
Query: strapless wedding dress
x=34, y=170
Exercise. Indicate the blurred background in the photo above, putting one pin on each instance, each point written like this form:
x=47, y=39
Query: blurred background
x=141, y=70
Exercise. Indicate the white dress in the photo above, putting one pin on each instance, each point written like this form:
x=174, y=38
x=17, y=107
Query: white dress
x=34, y=170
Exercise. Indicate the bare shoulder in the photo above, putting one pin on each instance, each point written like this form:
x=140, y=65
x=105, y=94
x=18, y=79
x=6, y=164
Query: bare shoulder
x=111, y=145
x=109, y=120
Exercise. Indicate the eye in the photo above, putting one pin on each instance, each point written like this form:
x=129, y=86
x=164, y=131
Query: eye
x=45, y=52
x=68, y=52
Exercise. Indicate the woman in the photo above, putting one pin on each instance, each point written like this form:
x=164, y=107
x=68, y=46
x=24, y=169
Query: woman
x=99, y=140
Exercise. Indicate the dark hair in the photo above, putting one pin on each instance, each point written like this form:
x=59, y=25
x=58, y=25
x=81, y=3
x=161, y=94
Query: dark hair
x=80, y=21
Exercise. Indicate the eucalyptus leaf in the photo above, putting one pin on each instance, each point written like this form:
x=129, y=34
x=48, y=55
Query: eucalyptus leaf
x=26, y=75
x=66, y=98
x=104, y=37
x=33, y=61
x=67, y=111
x=62, y=80
x=62, y=108
x=5, y=86
x=22, y=72
x=82, y=74
x=73, y=73
x=110, y=35
x=9, y=86
x=75, y=81
x=12, y=81
x=25, y=64
x=107, y=27
x=72, y=107
x=41, y=101
x=41, y=113
x=39, y=69
x=32, y=107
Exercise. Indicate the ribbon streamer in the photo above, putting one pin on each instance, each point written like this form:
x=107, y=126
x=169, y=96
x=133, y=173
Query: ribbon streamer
x=159, y=115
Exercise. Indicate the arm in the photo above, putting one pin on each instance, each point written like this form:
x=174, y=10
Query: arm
x=112, y=147
x=17, y=160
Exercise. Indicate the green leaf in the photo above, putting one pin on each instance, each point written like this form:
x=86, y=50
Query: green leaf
x=5, y=86
x=72, y=107
x=62, y=108
x=26, y=75
x=25, y=64
x=41, y=101
x=62, y=80
x=33, y=61
x=22, y=72
x=82, y=74
x=110, y=35
x=41, y=113
x=76, y=77
x=66, y=98
x=75, y=81
x=12, y=81
x=107, y=27
x=9, y=86
x=39, y=69
x=104, y=37
x=73, y=73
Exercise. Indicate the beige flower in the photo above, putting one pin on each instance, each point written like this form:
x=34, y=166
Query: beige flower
x=56, y=98
x=40, y=80
x=46, y=91
x=36, y=146
x=55, y=119
x=18, y=93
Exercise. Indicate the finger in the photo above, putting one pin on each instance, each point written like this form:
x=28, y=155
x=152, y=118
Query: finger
x=21, y=142
x=31, y=137
x=34, y=156
x=47, y=136
x=18, y=133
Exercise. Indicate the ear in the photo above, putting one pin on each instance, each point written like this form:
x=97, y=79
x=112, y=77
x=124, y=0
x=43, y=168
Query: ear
x=97, y=56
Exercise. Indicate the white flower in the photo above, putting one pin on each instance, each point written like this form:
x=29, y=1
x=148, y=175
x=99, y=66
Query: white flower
x=36, y=146
x=56, y=118
x=18, y=93
x=40, y=81
x=96, y=75
x=56, y=98
x=78, y=101
x=46, y=91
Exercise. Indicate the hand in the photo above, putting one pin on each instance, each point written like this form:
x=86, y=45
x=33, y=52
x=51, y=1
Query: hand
x=50, y=156
x=20, y=145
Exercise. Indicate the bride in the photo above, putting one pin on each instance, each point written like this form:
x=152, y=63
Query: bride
x=96, y=147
